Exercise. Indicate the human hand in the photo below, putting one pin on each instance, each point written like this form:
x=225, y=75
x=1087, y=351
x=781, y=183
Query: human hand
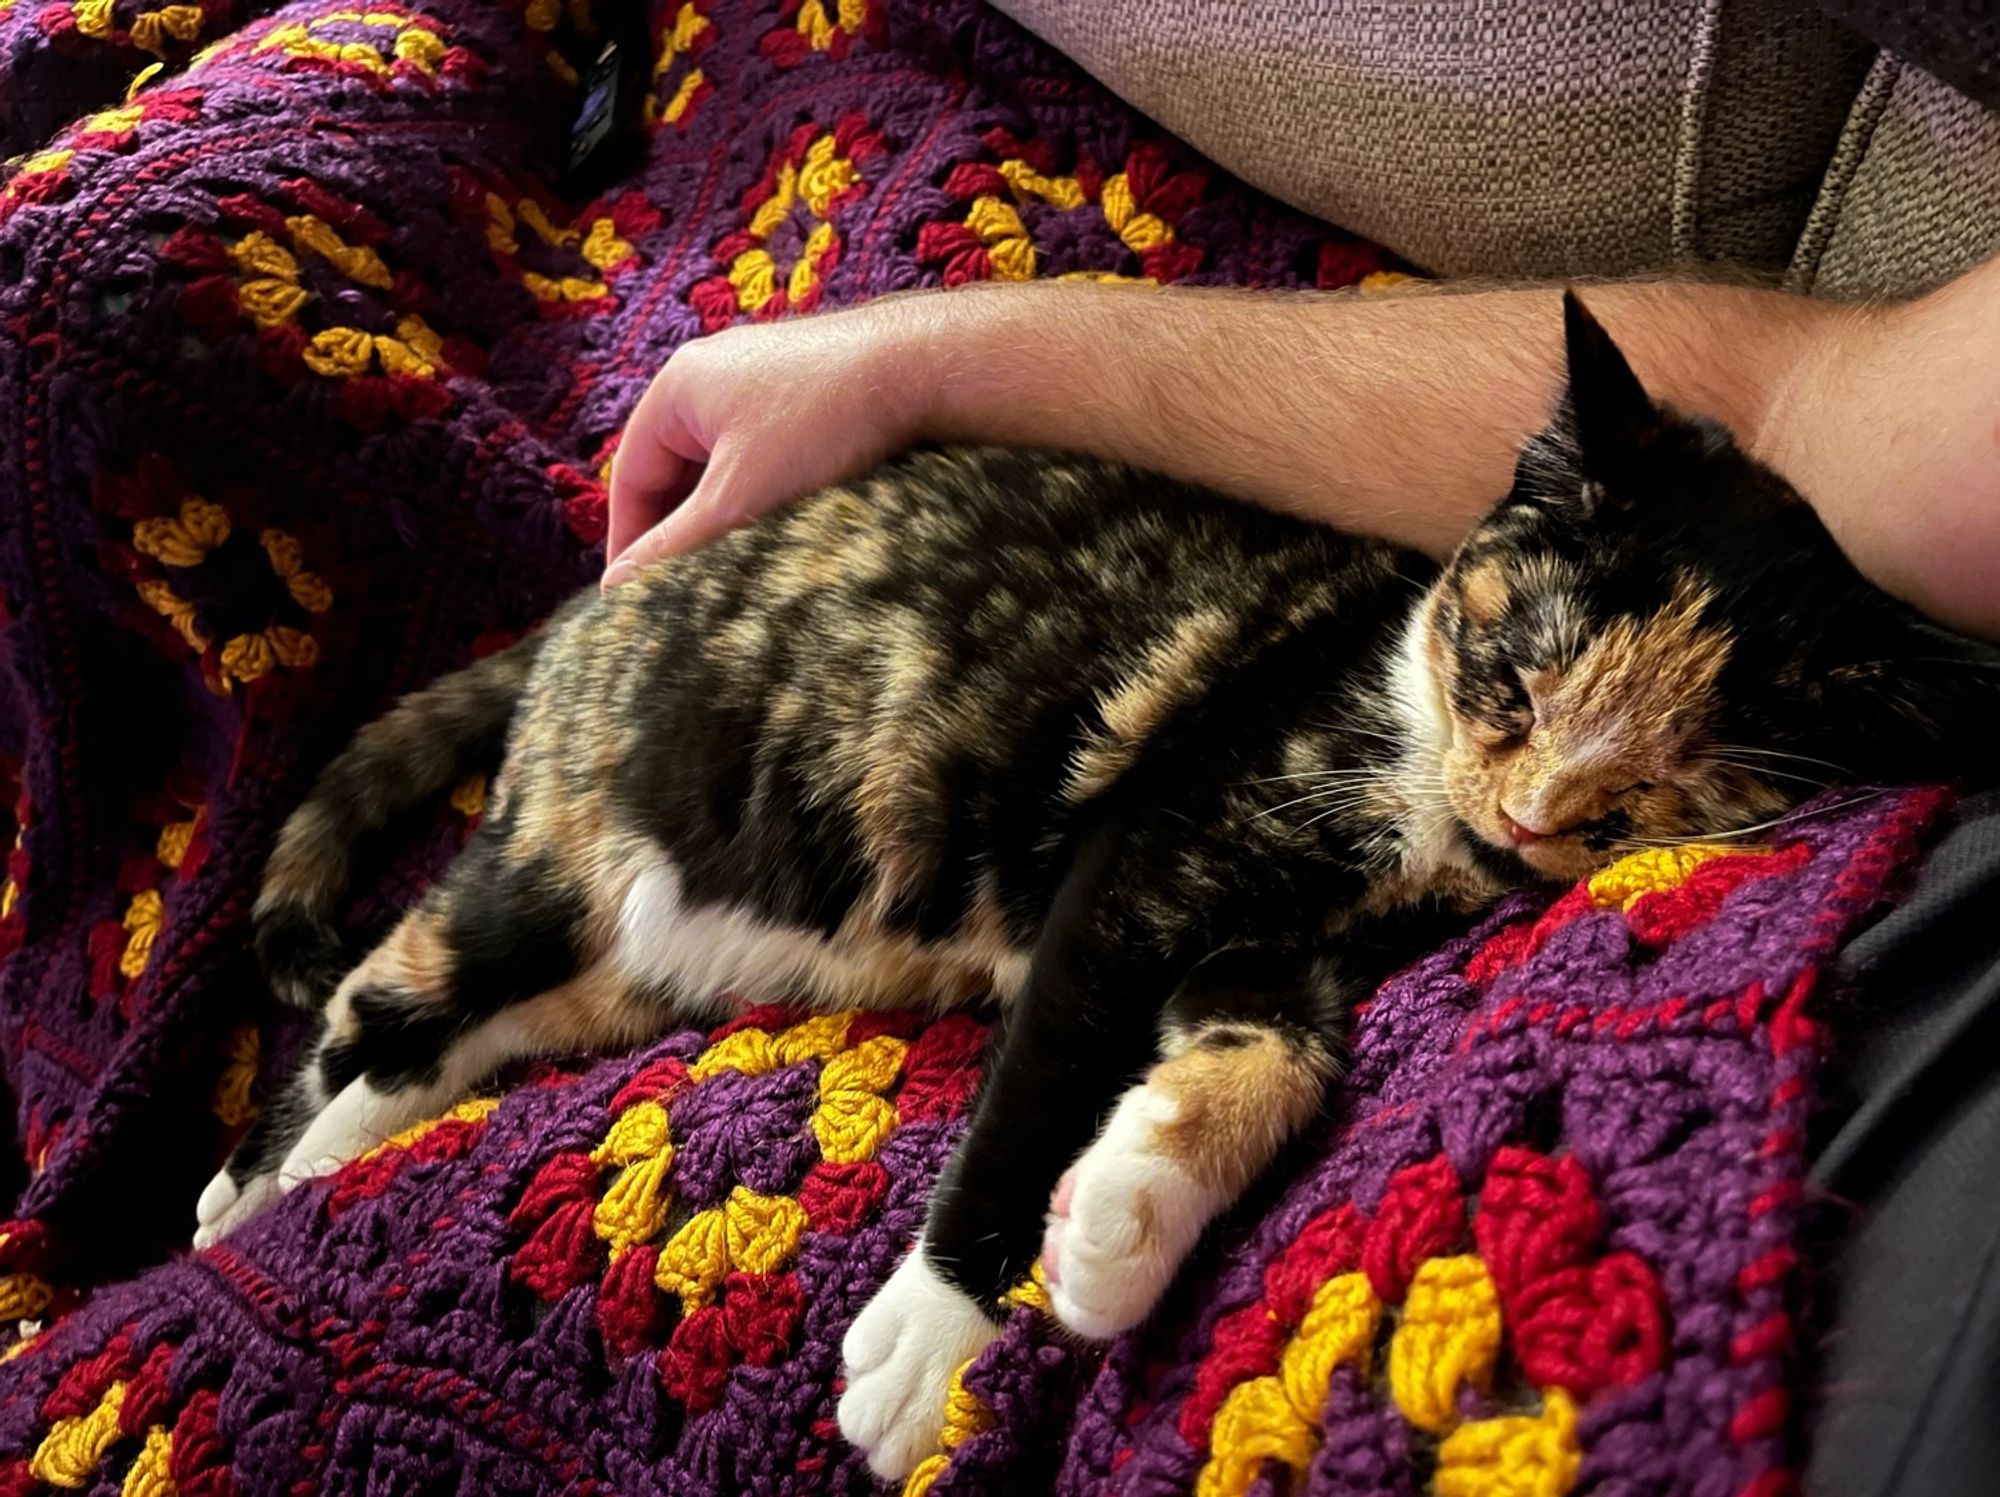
x=741, y=422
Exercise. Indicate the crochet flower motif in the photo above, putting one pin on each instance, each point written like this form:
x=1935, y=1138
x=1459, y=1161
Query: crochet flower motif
x=1104, y=226
x=568, y=263
x=826, y=28
x=187, y=557
x=305, y=275
x=384, y=44
x=1487, y=1313
x=175, y=836
x=788, y=245
x=678, y=84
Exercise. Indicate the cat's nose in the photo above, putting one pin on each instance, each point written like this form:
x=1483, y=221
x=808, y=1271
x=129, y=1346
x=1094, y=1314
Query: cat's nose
x=1520, y=833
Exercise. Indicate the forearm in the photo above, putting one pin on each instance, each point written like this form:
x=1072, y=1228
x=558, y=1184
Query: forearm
x=1399, y=415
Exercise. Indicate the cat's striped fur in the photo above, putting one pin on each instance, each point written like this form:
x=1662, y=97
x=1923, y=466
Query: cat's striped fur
x=1174, y=779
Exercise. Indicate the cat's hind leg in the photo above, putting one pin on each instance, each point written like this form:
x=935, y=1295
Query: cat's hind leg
x=496, y=963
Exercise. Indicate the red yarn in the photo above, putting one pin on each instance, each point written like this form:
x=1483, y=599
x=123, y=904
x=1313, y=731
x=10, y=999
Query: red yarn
x=1765, y=1414
x=1330, y=1244
x=629, y=1306
x=660, y=1079
x=563, y=1177
x=84, y=1382
x=146, y=1392
x=560, y=1255
x=1248, y=1343
x=1587, y=1329
x=840, y=1197
x=210, y=305
x=1536, y=1215
x=759, y=1314
x=1666, y=915
x=198, y=1461
x=941, y=1071
x=694, y=1364
x=1422, y=1215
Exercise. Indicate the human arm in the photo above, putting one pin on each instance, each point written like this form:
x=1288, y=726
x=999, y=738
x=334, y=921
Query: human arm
x=1398, y=415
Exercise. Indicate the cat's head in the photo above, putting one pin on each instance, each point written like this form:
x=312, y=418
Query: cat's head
x=1653, y=637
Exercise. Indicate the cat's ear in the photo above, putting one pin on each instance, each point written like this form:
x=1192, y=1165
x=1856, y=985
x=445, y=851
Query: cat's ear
x=1612, y=420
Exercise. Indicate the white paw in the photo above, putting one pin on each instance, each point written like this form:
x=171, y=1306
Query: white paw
x=1123, y=1220
x=900, y=1354
x=224, y=1206
x=350, y=1125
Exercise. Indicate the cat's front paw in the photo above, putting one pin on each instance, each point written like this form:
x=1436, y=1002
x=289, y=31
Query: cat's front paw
x=1123, y=1220
x=226, y=1204
x=900, y=1354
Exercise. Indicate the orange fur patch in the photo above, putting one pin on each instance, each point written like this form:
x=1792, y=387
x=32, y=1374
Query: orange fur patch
x=1239, y=1105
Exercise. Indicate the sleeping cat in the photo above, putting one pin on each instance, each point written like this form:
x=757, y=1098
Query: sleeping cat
x=1174, y=779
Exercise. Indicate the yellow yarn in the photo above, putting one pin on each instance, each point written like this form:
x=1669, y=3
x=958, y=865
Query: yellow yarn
x=852, y=1118
x=93, y=18
x=1277, y=1418
x=677, y=106
x=143, y=918
x=530, y=213
x=19, y=1346
x=270, y=301
x=176, y=610
x=1516, y=1456
x=1009, y=251
x=69, y=1453
x=964, y=1417
x=397, y=357
x=500, y=225
x=1255, y=1424
x=689, y=23
x=1339, y=1327
x=250, y=657
x=1061, y=192
x=641, y=1131
x=747, y=1050
x=150, y=1475
x=1449, y=1335
x=634, y=1210
x=22, y=1296
x=151, y=30
x=1638, y=874
x=566, y=288
x=356, y=262
x=469, y=799
x=235, y=1101
x=542, y=15
x=818, y=1038
x=1032, y=1293
x=172, y=845
x=421, y=49
x=805, y=270
x=340, y=352
x=748, y=1233
x=258, y=254
x=115, y=121
x=767, y=215
x=183, y=540
x=825, y=175
x=754, y=274
x=602, y=247
x=287, y=557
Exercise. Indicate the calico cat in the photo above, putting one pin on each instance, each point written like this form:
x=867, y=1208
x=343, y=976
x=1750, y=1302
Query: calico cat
x=1176, y=780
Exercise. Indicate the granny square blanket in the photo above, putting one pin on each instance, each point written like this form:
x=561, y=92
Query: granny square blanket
x=311, y=367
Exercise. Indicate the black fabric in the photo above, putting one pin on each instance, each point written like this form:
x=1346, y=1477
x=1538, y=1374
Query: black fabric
x=1909, y=1366
x=1956, y=40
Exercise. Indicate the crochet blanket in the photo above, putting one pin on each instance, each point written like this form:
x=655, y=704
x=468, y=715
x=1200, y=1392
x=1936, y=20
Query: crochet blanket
x=309, y=376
